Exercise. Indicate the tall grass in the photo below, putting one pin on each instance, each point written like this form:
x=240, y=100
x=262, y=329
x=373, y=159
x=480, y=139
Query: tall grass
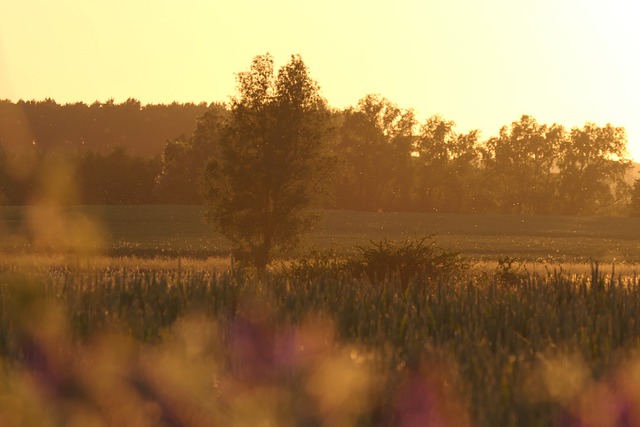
x=187, y=346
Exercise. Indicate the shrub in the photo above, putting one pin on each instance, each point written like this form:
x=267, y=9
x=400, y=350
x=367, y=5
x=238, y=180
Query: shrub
x=383, y=260
x=511, y=271
x=406, y=259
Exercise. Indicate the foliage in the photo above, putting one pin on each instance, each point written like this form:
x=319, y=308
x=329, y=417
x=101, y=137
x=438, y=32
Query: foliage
x=100, y=126
x=273, y=167
x=184, y=159
x=116, y=178
x=592, y=166
x=387, y=161
x=635, y=198
x=382, y=262
x=511, y=271
x=375, y=143
x=407, y=259
x=522, y=165
x=542, y=169
x=447, y=173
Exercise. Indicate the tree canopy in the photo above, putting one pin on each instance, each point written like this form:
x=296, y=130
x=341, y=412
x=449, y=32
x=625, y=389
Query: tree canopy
x=384, y=158
x=273, y=166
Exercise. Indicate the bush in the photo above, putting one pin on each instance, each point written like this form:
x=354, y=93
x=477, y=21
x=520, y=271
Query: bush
x=406, y=259
x=384, y=260
x=511, y=271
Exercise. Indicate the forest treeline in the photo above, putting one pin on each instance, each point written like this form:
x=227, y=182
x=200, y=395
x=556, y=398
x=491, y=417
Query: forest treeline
x=101, y=126
x=385, y=159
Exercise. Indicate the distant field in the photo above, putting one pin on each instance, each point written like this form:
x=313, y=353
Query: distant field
x=151, y=231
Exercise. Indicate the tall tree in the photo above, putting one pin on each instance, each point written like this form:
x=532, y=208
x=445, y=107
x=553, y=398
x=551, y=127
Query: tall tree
x=446, y=167
x=272, y=169
x=522, y=165
x=592, y=165
x=635, y=198
x=376, y=142
x=184, y=159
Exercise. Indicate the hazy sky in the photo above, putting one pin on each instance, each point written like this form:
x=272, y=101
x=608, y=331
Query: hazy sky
x=481, y=63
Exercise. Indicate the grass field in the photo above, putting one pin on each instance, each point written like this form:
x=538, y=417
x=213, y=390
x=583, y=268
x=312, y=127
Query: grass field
x=187, y=347
x=172, y=231
x=156, y=328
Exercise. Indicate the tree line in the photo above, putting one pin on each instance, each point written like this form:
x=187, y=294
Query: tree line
x=383, y=158
x=111, y=150
x=101, y=126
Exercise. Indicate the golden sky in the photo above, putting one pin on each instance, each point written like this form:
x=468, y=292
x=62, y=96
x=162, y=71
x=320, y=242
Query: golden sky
x=480, y=63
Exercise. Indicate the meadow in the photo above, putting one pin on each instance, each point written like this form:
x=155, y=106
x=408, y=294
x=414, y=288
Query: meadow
x=179, y=231
x=157, y=327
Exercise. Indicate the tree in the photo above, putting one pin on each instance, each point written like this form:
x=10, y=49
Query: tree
x=272, y=169
x=116, y=178
x=523, y=164
x=5, y=179
x=592, y=165
x=143, y=130
x=184, y=159
x=375, y=143
x=635, y=198
x=446, y=167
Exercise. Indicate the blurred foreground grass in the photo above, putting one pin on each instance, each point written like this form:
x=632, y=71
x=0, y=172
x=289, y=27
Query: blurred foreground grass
x=97, y=345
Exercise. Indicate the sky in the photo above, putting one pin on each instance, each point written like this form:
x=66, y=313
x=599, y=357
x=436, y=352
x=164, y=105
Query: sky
x=482, y=64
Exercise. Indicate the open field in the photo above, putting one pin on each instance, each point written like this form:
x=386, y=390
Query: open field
x=179, y=231
x=145, y=322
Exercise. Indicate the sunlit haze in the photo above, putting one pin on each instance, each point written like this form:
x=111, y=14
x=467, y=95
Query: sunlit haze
x=481, y=64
